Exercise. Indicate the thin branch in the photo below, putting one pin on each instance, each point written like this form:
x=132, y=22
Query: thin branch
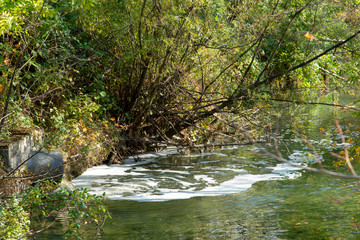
x=8, y=98
x=278, y=44
x=316, y=103
x=315, y=152
x=271, y=78
x=296, y=10
x=139, y=30
x=332, y=74
x=310, y=169
x=351, y=169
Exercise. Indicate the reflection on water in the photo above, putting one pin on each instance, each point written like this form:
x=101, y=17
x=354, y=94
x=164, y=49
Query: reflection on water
x=231, y=193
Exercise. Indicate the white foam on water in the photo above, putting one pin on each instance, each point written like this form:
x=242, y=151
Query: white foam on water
x=162, y=171
x=145, y=180
x=135, y=182
x=304, y=157
x=238, y=184
x=205, y=178
x=284, y=168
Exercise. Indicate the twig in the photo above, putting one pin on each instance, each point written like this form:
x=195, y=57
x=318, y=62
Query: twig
x=351, y=169
x=275, y=140
x=47, y=227
x=312, y=147
x=8, y=97
x=310, y=169
x=291, y=69
x=316, y=103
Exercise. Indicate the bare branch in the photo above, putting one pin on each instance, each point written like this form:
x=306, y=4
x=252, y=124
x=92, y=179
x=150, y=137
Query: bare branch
x=317, y=103
x=351, y=169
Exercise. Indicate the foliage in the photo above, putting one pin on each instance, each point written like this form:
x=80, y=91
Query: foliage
x=154, y=75
x=41, y=57
x=15, y=220
x=16, y=14
x=158, y=69
x=350, y=148
x=39, y=207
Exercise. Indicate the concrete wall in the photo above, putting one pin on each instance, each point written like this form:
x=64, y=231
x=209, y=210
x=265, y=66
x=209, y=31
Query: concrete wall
x=42, y=164
x=15, y=150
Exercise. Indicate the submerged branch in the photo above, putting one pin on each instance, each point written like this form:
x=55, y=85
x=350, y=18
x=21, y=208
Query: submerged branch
x=317, y=103
x=310, y=169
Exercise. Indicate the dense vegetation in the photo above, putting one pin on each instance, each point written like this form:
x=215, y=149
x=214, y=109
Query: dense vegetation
x=130, y=75
x=156, y=68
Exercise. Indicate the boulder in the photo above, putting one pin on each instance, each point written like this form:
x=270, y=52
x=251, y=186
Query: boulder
x=46, y=165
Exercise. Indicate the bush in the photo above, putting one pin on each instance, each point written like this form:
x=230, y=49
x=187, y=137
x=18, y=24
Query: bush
x=39, y=207
x=15, y=221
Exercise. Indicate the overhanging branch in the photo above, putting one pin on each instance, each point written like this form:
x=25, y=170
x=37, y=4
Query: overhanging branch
x=271, y=78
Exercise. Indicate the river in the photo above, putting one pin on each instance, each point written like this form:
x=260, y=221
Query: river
x=235, y=192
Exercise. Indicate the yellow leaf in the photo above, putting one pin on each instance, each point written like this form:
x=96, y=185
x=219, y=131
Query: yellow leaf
x=112, y=119
x=357, y=149
x=309, y=36
x=1, y=88
x=6, y=60
x=82, y=123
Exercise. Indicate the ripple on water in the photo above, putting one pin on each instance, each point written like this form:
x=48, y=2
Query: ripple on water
x=151, y=180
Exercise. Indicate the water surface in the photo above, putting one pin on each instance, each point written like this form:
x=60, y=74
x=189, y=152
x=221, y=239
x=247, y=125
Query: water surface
x=233, y=193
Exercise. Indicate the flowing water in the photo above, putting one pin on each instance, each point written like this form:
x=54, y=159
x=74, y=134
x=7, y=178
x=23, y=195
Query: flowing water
x=232, y=193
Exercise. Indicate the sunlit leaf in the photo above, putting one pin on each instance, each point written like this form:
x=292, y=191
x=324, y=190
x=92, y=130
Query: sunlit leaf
x=309, y=36
x=6, y=60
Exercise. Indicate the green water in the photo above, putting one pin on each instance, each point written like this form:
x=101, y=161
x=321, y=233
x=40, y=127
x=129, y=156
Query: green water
x=303, y=208
x=296, y=209
x=307, y=206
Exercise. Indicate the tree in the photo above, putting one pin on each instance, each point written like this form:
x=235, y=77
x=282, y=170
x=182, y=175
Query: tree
x=160, y=68
x=166, y=66
x=183, y=72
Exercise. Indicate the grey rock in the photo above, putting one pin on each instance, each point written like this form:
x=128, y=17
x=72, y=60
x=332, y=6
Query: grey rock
x=46, y=165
